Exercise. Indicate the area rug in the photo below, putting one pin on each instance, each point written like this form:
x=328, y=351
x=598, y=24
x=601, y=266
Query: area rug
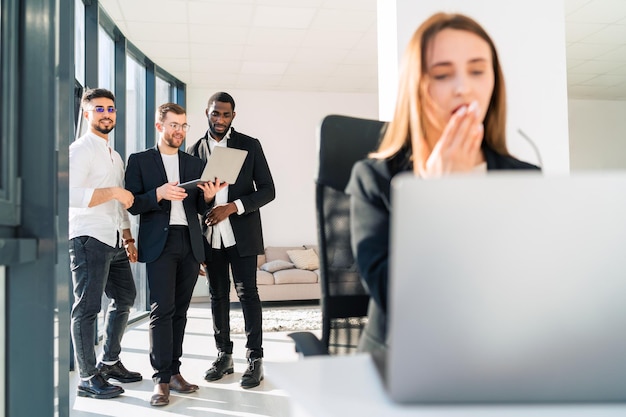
x=281, y=319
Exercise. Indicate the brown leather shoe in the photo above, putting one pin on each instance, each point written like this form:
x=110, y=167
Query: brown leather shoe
x=161, y=394
x=178, y=384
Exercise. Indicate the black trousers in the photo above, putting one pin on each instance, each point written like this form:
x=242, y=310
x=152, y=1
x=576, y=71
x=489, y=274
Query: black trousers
x=244, y=276
x=171, y=279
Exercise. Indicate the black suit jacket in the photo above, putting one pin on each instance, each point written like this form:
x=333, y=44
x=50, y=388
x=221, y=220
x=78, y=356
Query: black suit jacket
x=254, y=187
x=145, y=172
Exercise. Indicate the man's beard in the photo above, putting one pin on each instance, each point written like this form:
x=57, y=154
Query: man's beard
x=105, y=130
x=171, y=141
x=216, y=134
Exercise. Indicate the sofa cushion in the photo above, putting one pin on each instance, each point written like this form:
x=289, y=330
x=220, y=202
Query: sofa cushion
x=276, y=265
x=295, y=276
x=273, y=253
x=314, y=247
x=304, y=259
x=264, y=278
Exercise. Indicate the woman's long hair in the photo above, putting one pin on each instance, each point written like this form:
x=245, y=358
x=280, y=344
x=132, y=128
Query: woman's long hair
x=406, y=130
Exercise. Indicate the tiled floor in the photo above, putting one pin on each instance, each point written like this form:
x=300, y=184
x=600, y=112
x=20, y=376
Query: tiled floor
x=221, y=398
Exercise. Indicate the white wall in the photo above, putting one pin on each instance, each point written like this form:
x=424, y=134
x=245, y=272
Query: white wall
x=286, y=124
x=597, y=134
x=530, y=39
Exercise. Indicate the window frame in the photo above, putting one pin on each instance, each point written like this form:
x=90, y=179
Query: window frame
x=9, y=180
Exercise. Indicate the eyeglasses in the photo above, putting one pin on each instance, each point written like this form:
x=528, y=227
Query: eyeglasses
x=102, y=109
x=177, y=126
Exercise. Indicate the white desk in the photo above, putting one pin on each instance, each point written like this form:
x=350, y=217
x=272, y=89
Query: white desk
x=327, y=386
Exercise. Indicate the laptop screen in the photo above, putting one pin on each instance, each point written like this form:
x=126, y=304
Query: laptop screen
x=508, y=287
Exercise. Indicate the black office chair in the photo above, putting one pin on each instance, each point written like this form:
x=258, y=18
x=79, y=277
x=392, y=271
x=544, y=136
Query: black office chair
x=342, y=141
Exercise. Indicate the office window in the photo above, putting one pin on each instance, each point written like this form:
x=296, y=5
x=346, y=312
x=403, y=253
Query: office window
x=106, y=60
x=136, y=141
x=3, y=160
x=135, y=106
x=9, y=37
x=161, y=95
x=79, y=41
x=2, y=331
x=106, y=67
x=163, y=91
x=2, y=156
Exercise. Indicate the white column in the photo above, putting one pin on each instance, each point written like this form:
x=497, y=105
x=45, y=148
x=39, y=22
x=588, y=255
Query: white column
x=530, y=39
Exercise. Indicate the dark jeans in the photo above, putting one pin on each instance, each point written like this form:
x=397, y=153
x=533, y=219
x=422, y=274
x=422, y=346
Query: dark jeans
x=171, y=278
x=97, y=267
x=244, y=277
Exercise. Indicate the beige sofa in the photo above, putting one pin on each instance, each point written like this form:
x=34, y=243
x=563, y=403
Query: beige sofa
x=278, y=278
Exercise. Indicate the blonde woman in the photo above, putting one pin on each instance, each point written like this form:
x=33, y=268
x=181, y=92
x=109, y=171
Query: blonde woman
x=450, y=117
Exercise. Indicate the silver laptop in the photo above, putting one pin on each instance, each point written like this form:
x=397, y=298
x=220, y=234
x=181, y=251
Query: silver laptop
x=508, y=288
x=223, y=163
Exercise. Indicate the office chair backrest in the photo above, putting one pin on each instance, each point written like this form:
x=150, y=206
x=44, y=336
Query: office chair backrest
x=342, y=141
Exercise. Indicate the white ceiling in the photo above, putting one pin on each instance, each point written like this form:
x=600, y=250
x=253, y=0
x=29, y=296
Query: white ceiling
x=330, y=45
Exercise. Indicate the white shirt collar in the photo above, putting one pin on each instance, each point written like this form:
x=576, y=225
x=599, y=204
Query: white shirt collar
x=224, y=142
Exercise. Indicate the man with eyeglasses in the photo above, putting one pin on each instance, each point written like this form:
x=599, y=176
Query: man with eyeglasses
x=234, y=238
x=170, y=241
x=101, y=246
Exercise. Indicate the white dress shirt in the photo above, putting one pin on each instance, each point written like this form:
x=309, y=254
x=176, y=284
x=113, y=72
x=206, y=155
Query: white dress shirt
x=93, y=164
x=223, y=231
x=172, y=170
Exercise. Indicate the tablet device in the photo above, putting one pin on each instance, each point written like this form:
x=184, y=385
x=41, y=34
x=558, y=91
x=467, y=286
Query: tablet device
x=223, y=163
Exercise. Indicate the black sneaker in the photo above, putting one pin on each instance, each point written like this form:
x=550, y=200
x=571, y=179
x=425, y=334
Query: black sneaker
x=98, y=387
x=254, y=374
x=119, y=372
x=223, y=365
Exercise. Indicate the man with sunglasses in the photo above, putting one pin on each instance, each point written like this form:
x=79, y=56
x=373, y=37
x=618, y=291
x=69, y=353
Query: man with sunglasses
x=170, y=241
x=101, y=246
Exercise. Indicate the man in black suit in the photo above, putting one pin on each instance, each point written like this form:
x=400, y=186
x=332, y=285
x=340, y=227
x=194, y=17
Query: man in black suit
x=170, y=241
x=234, y=238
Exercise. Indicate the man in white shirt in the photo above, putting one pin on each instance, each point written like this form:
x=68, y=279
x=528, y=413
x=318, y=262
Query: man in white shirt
x=101, y=246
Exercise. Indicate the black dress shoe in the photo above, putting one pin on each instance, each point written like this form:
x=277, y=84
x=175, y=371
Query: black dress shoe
x=160, y=395
x=119, y=372
x=254, y=374
x=223, y=365
x=178, y=384
x=98, y=387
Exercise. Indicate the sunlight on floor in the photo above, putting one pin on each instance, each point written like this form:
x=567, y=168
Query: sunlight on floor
x=221, y=398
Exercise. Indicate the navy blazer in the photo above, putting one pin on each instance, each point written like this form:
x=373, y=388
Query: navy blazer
x=145, y=172
x=254, y=187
